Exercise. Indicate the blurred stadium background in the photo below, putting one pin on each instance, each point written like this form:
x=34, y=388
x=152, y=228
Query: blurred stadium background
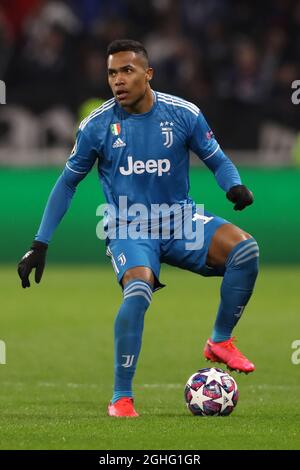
x=236, y=60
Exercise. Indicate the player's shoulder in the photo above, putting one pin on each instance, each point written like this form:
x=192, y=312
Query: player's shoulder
x=99, y=116
x=177, y=104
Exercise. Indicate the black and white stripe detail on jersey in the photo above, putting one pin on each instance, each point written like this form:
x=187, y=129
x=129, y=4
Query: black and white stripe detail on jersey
x=104, y=107
x=175, y=101
x=113, y=262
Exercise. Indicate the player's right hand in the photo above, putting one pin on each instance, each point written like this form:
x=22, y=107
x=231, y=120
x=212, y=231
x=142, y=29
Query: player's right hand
x=34, y=258
x=240, y=196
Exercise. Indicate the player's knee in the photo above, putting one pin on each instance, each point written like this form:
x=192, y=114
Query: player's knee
x=140, y=272
x=226, y=238
x=245, y=255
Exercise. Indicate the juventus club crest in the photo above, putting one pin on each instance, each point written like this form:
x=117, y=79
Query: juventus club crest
x=128, y=360
x=167, y=133
x=122, y=259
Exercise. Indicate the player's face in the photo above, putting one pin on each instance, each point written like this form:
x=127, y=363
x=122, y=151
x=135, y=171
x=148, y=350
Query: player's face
x=128, y=77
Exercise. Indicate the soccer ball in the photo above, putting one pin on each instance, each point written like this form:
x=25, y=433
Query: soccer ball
x=211, y=392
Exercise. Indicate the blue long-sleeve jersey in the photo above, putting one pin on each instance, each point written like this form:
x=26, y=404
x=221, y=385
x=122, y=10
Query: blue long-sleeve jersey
x=144, y=157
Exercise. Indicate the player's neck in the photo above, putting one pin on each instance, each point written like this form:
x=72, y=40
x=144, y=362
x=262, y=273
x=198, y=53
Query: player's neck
x=143, y=105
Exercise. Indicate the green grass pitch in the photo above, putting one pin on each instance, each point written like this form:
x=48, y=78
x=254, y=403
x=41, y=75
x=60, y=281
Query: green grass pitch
x=58, y=377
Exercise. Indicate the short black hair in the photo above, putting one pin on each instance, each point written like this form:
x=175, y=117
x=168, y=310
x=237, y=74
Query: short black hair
x=120, y=45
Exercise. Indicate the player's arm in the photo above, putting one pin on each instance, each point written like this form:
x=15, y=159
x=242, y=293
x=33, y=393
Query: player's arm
x=79, y=164
x=204, y=144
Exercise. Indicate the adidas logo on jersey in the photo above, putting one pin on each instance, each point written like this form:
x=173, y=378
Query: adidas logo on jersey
x=138, y=167
x=118, y=143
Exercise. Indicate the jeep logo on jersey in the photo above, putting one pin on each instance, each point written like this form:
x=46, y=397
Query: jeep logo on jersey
x=150, y=166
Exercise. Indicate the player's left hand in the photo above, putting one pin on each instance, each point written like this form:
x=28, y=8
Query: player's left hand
x=240, y=196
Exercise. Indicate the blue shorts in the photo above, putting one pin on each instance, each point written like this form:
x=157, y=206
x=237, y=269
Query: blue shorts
x=151, y=253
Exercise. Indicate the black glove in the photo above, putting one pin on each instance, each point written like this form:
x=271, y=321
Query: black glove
x=34, y=258
x=241, y=196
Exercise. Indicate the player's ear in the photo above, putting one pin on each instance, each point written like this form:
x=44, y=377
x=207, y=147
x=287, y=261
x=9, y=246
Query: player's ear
x=149, y=74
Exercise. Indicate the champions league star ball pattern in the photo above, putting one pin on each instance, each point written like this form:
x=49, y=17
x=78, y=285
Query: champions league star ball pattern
x=211, y=392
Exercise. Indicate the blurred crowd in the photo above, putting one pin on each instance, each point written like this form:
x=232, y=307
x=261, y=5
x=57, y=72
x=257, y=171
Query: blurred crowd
x=235, y=59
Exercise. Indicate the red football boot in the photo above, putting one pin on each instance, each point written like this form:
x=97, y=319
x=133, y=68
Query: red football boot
x=229, y=354
x=122, y=408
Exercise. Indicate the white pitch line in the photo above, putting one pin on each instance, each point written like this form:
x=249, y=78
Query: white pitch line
x=155, y=385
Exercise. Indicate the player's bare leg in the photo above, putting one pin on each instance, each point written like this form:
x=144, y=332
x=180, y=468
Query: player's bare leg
x=139, y=272
x=137, y=285
x=226, y=237
x=236, y=251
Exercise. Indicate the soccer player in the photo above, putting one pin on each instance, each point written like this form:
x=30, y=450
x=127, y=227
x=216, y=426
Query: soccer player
x=141, y=139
